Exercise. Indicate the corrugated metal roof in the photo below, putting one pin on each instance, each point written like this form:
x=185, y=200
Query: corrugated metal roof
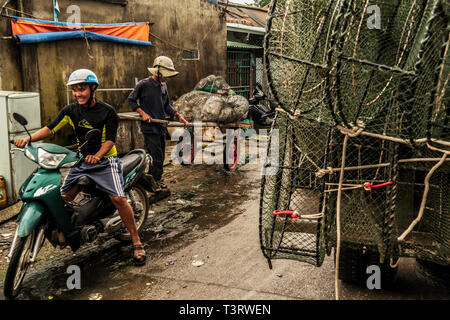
x=239, y=45
x=246, y=15
x=244, y=28
x=257, y=16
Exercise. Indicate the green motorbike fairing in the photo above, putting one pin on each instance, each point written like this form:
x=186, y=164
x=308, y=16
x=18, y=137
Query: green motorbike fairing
x=30, y=216
x=44, y=187
x=40, y=193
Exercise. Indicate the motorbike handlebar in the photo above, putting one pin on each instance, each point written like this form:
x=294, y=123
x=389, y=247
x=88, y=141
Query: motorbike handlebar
x=16, y=149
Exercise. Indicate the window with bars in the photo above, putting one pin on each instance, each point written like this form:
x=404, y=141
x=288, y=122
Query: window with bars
x=240, y=72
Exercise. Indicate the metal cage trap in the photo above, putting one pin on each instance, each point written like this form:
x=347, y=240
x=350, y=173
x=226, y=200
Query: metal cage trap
x=363, y=123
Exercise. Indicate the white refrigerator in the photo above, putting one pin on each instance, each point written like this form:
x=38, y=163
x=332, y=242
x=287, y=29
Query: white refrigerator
x=15, y=167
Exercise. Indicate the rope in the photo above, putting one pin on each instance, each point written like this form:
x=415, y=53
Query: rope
x=399, y=140
x=322, y=172
x=87, y=44
x=356, y=186
x=393, y=266
x=338, y=218
x=356, y=131
x=425, y=194
x=292, y=117
x=306, y=157
x=353, y=133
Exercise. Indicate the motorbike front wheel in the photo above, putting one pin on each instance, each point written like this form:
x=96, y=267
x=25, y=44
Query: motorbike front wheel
x=138, y=200
x=18, y=266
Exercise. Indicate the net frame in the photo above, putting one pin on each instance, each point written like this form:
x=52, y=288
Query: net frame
x=395, y=147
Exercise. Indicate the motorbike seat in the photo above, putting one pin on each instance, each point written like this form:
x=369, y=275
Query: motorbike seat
x=131, y=160
x=85, y=181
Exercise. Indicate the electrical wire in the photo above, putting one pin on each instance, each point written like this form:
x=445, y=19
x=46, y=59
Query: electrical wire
x=7, y=8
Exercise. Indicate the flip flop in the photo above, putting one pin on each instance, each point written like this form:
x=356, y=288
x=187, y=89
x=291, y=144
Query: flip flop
x=162, y=185
x=155, y=184
x=138, y=261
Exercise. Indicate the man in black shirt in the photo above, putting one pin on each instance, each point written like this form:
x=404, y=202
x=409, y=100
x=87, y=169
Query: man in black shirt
x=101, y=163
x=154, y=104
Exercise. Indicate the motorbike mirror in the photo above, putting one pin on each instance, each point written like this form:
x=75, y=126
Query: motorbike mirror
x=20, y=119
x=92, y=134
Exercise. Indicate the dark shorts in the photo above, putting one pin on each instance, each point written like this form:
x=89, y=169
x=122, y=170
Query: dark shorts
x=107, y=174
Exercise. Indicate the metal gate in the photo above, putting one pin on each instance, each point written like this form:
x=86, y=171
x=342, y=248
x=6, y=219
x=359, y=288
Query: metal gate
x=240, y=72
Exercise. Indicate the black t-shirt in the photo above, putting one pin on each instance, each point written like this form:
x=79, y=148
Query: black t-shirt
x=154, y=100
x=102, y=116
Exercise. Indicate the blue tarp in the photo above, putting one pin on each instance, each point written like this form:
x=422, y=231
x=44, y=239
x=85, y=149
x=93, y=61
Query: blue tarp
x=67, y=24
x=64, y=35
x=27, y=30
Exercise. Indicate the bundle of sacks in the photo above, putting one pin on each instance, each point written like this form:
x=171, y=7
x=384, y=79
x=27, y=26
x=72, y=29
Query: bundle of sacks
x=212, y=100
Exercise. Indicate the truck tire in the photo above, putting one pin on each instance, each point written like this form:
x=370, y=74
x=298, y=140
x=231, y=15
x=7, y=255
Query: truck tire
x=353, y=265
x=434, y=274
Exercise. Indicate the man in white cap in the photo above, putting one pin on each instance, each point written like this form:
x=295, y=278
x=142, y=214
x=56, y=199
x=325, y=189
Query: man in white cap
x=154, y=103
x=101, y=163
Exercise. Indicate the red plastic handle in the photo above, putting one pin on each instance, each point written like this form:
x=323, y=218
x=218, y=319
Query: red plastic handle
x=373, y=186
x=292, y=213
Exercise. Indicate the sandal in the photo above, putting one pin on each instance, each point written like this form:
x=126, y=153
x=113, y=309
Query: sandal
x=162, y=185
x=155, y=184
x=139, y=258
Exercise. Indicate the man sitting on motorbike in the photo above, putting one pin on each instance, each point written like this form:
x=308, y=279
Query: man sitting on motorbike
x=101, y=163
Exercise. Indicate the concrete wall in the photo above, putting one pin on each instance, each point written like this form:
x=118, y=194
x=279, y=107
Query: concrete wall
x=10, y=72
x=45, y=67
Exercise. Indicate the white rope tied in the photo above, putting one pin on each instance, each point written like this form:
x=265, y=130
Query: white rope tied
x=425, y=192
x=352, y=133
x=338, y=217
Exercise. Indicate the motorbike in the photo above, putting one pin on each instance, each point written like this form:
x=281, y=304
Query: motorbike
x=259, y=112
x=45, y=215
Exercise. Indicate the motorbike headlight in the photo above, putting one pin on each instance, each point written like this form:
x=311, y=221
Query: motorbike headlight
x=49, y=160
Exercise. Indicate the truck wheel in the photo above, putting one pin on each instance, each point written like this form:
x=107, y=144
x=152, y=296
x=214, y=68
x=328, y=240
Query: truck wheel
x=388, y=274
x=18, y=266
x=433, y=273
x=353, y=266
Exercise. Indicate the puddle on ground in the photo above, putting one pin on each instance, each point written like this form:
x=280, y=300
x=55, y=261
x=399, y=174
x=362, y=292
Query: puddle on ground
x=202, y=200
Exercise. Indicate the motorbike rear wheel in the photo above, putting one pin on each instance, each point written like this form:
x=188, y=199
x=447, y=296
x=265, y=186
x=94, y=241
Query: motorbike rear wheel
x=137, y=197
x=18, y=266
